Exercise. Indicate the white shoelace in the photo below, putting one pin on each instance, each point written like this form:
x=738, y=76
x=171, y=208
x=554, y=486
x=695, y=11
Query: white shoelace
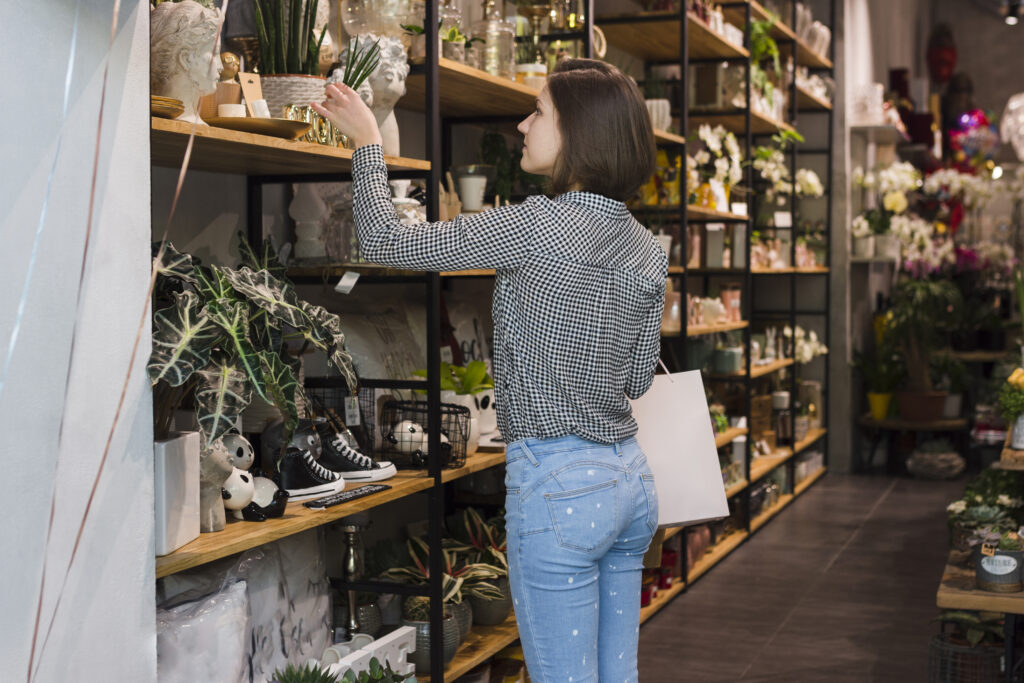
x=350, y=453
x=318, y=469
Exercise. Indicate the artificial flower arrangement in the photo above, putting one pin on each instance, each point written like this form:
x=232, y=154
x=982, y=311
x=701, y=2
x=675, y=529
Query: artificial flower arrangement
x=719, y=164
x=807, y=346
x=893, y=183
x=770, y=163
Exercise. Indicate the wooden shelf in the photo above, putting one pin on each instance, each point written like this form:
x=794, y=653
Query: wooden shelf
x=482, y=643
x=756, y=371
x=655, y=36
x=899, y=424
x=238, y=536
x=716, y=554
x=735, y=121
x=958, y=591
x=676, y=270
x=817, y=270
x=736, y=14
x=767, y=515
x=812, y=437
x=664, y=137
x=698, y=330
x=736, y=488
x=467, y=91
x=664, y=597
x=699, y=212
x=809, y=481
x=805, y=99
x=980, y=356
x=728, y=436
x=673, y=531
x=761, y=467
x=230, y=151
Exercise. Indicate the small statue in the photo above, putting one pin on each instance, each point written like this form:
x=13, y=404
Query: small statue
x=183, y=64
x=387, y=83
x=214, y=470
x=232, y=65
x=254, y=499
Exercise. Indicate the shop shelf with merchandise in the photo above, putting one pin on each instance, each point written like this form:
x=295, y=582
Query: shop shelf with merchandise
x=482, y=643
x=736, y=12
x=655, y=37
x=765, y=465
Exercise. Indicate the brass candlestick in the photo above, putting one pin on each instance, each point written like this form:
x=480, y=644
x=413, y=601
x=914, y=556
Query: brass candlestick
x=535, y=12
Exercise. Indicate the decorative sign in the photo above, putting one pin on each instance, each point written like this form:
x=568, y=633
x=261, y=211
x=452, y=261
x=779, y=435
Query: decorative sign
x=1000, y=565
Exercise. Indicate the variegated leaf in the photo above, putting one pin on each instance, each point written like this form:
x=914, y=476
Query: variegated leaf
x=233, y=318
x=282, y=384
x=326, y=335
x=212, y=284
x=183, y=337
x=223, y=393
x=274, y=296
x=266, y=259
x=173, y=263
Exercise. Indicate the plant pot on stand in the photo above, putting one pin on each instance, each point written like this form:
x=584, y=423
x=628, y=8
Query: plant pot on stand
x=887, y=246
x=879, y=404
x=864, y=247
x=921, y=406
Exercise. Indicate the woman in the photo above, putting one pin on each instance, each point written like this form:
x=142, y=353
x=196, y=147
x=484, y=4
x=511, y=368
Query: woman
x=577, y=308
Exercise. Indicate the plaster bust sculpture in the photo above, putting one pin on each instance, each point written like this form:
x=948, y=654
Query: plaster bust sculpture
x=386, y=86
x=183, y=60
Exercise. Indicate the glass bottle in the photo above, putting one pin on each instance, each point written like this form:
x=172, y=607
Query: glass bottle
x=497, y=55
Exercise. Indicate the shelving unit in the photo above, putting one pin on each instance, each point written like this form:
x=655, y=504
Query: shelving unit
x=727, y=437
x=480, y=645
x=716, y=554
x=766, y=516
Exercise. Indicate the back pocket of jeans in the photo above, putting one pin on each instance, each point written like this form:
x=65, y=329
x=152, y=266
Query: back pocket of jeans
x=585, y=518
x=652, y=501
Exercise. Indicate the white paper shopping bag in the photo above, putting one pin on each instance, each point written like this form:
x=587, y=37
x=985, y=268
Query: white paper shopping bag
x=676, y=436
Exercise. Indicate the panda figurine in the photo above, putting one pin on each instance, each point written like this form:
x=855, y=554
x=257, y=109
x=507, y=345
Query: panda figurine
x=249, y=497
x=409, y=438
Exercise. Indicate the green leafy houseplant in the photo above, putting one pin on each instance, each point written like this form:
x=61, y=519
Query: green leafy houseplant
x=485, y=540
x=916, y=305
x=949, y=373
x=460, y=579
x=471, y=379
x=220, y=334
x=288, y=43
x=974, y=628
x=307, y=673
x=883, y=370
x=1011, y=402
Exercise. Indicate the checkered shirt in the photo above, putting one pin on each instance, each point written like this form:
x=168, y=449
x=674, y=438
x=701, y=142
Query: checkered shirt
x=578, y=298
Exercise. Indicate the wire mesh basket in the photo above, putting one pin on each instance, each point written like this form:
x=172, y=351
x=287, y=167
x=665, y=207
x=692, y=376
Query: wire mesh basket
x=404, y=438
x=949, y=662
x=329, y=402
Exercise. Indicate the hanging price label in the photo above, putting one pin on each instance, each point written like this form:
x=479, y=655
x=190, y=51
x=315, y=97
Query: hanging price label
x=352, y=411
x=346, y=283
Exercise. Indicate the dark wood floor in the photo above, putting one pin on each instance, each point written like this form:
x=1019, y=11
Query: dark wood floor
x=840, y=587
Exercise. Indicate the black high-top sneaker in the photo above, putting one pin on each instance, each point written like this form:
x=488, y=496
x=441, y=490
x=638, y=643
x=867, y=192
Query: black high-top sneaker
x=348, y=462
x=304, y=478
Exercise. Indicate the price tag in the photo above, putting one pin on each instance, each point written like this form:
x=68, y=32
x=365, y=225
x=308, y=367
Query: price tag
x=446, y=355
x=347, y=282
x=783, y=219
x=739, y=208
x=352, y=411
x=988, y=550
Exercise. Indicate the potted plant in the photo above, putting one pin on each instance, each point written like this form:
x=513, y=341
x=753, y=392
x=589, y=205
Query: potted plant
x=416, y=613
x=950, y=374
x=997, y=560
x=309, y=672
x=461, y=386
x=289, y=53
x=972, y=651
x=487, y=543
x=1011, y=405
x=375, y=674
x=220, y=336
x=916, y=305
x=883, y=372
x=965, y=518
x=863, y=238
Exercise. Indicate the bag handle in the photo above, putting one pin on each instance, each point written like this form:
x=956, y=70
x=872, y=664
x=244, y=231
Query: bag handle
x=665, y=368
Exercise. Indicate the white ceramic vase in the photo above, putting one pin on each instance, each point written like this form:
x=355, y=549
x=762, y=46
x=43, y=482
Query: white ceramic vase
x=1017, y=440
x=281, y=90
x=473, y=442
x=864, y=247
x=887, y=246
x=176, y=491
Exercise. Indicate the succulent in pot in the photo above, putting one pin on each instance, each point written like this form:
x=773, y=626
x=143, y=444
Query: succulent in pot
x=998, y=560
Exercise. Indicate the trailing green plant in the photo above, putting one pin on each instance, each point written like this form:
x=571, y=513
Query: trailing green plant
x=471, y=379
x=764, y=51
x=360, y=63
x=288, y=42
x=375, y=674
x=307, y=673
x=975, y=628
x=916, y=305
x=221, y=335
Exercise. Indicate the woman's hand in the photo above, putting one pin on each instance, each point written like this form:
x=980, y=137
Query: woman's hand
x=349, y=114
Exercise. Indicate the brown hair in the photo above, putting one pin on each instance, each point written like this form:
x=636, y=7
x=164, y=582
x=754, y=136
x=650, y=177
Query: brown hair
x=607, y=138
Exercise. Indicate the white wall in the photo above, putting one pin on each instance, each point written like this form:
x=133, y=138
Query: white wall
x=104, y=629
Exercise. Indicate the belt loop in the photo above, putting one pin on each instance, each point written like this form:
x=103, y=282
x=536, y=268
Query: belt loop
x=529, y=454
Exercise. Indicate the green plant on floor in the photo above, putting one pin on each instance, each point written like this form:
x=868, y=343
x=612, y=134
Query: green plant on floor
x=975, y=628
x=221, y=335
x=916, y=305
x=288, y=43
x=307, y=673
x=375, y=674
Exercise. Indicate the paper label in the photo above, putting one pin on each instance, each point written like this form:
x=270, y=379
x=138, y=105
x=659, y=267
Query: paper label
x=1000, y=565
x=739, y=208
x=783, y=219
x=988, y=549
x=352, y=411
x=347, y=282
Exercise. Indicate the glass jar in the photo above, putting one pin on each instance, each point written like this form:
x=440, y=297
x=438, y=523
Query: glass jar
x=497, y=54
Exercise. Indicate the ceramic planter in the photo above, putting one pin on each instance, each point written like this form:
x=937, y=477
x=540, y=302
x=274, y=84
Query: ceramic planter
x=921, y=406
x=1017, y=440
x=999, y=573
x=281, y=90
x=879, y=404
x=953, y=407
x=887, y=246
x=864, y=247
x=463, y=614
x=421, y=657
x=370, y=619
x=176, y=491
x=468, y=401
x=493, y=612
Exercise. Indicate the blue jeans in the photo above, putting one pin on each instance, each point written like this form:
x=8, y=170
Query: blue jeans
x=579, y=517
